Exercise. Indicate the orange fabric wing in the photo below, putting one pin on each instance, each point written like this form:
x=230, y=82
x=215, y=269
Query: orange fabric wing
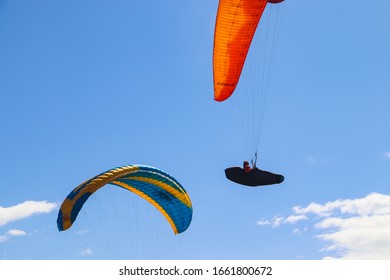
x=235, y=26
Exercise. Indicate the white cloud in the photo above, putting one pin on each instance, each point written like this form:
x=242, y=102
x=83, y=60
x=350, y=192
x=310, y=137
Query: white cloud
x=10, y=233
x=263, y=222
x=16, y=232
x=297, y=231
x=317, y=160
x=278, y=220
x=83, y=231
x=352, y=228
x=86, y=252
x=295, y=218
x=372, y=204
x=386, y=155
x=24, y=210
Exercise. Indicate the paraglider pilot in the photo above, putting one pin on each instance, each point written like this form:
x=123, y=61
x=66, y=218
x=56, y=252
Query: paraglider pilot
x=247, y=168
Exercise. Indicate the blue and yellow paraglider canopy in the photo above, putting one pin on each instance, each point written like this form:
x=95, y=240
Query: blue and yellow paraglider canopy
x=157, y=187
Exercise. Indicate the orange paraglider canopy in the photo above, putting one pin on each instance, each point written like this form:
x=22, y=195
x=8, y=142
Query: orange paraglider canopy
x=235, y=26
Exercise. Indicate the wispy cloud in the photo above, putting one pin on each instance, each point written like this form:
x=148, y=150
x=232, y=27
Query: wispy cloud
x=16, y=232
x=24, y=210
x=279, y=220
x=386, y=155
x=352, y=228
x=263, y=222
x=86, y=252
x=317, y=160
x=10, y=233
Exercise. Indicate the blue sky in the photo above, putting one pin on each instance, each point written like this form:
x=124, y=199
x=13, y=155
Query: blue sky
x=86, y=87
